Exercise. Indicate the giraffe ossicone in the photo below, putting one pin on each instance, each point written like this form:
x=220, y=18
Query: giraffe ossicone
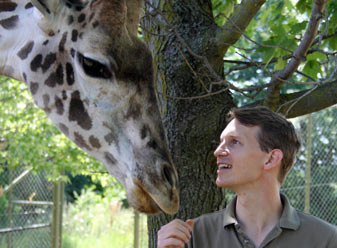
x=86, y=68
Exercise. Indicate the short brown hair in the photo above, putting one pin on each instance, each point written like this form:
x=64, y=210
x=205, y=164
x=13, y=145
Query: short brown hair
x=275, y=133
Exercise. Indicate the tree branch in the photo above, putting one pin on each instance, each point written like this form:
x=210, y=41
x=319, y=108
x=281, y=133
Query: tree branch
x=306, y=102
x=242, y=15
x=273, y=94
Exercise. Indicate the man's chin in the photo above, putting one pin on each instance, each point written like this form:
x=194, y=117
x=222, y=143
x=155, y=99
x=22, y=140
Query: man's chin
x=221, y=183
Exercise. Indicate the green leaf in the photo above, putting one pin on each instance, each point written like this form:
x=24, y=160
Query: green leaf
x=268, y=55
x=304, y=5
x=316, y=56
x=298, y=27
x=312, y=68
x=280, y=64
x=333, y=43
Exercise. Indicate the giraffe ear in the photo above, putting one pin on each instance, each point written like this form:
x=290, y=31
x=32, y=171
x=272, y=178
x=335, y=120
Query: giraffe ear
x=46, y=7
x=133, y=15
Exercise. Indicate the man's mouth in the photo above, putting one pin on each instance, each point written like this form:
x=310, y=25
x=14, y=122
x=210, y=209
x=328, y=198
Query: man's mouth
x=224, y=166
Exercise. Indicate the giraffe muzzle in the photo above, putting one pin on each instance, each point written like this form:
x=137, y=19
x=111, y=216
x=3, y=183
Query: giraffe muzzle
x=155, y=191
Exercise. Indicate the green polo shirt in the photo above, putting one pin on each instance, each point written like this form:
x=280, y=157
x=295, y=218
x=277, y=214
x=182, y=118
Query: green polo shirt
x=294, y=230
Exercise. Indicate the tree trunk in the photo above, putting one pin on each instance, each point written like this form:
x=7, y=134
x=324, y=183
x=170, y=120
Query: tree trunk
x=176, y=32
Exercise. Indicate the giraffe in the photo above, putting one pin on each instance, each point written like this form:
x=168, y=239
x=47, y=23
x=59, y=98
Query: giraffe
x=92, y=76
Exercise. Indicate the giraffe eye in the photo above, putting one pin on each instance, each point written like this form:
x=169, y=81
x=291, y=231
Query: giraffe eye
x=94, y=68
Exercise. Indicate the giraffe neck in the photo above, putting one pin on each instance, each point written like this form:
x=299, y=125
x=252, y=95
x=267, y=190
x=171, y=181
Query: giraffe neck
x=20, y=38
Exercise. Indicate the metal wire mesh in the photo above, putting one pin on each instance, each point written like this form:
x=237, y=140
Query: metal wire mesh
x=25, y=211
x=312, y=184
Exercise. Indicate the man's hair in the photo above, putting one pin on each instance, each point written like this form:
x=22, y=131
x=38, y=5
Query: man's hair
x=275, y=133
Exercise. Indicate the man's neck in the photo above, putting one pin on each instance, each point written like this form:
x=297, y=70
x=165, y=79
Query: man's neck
x=258, y=213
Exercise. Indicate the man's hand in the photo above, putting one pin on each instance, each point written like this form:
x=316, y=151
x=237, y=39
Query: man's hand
x=175, y=234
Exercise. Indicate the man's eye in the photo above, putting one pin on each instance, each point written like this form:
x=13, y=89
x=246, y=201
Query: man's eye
x=94, y=68
x=235, y=142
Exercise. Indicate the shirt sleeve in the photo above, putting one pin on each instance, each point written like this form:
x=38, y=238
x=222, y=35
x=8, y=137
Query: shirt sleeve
x=333, y=241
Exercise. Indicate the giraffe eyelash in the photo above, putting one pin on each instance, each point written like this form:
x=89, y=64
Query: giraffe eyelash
x=93, y=68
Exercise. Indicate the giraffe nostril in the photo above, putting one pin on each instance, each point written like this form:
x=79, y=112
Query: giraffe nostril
x=168, y=175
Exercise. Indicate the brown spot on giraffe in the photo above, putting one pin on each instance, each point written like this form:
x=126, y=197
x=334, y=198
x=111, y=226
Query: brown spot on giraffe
x=48, y=61
x=36, y=62
x=110, y=138
x=63, y=41
x=79, y=140
x=95, y=24
x=46, y=100
x=145, y=131
x=10, y=22
x=152, y=144
x=7, y=6
x=74, y=35
x=94, y=142
x=29, y=5
x=64, y=95
x=110, y=158
x=59, y=106
x=34, y=87
x=55, y=77
x=78, y=113
x=70, y=74
x=81, y=18
x=64, y=129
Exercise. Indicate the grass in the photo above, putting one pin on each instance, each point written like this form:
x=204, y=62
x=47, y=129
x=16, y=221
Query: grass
x=94, y=221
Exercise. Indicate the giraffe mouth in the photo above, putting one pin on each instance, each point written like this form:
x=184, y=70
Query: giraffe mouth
x=153, y=203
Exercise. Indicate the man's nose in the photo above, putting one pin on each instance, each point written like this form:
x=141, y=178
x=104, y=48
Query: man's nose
x=221, y=150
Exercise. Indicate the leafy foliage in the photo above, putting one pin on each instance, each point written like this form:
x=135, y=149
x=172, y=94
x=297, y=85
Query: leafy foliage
x=32, y=139
x=271, y=38
x=98, y=220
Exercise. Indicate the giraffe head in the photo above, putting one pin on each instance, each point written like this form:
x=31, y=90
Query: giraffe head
x=94, y=78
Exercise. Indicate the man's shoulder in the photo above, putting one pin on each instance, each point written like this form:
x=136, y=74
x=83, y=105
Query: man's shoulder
x=316, y=229
x=210, y=218
x=312, y=222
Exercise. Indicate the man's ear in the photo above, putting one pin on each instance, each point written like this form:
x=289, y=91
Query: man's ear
x=274, y=159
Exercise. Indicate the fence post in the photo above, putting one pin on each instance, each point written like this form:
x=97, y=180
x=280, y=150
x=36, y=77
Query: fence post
x=308, y=166
x=136, y=230
x=9, y=212
x=58, y=198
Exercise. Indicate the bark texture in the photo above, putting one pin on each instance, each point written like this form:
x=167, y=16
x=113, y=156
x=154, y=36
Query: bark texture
x=193, y=124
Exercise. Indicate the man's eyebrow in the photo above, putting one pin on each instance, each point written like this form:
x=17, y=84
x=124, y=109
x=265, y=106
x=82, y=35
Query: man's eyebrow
x=235, y=137
x=232, y=136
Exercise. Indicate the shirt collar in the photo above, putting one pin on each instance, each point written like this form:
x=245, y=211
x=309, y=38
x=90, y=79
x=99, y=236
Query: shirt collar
x=289, y=218
x=229, y=214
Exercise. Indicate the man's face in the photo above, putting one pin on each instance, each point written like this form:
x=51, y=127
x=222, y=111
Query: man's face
x=240, y=160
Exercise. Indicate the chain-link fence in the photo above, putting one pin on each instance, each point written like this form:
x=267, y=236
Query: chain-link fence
x=312, y=184
x=25, y=209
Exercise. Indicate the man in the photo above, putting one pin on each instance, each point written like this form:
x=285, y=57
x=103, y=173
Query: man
x=257, y=149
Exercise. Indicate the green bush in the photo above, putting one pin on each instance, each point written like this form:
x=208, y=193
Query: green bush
x=98, y=221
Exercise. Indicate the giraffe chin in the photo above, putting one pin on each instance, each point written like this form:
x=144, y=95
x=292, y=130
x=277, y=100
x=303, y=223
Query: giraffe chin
x=148, y=203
